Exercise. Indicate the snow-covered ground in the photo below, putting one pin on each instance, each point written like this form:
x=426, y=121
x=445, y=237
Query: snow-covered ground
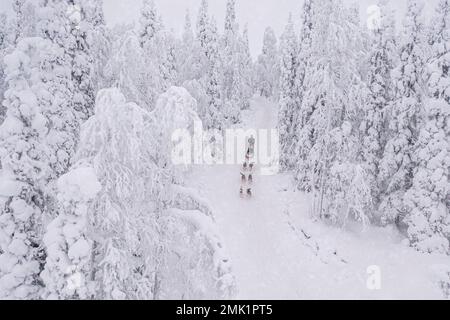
x=279, y=251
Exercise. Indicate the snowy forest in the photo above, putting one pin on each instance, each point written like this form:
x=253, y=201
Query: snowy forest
x=93, y=207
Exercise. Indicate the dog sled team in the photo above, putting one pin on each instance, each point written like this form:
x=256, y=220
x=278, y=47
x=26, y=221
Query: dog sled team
x=248, y=169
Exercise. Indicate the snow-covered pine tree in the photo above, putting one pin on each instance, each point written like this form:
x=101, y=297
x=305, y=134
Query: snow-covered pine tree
x=300, y=150
x=246, y=70
x=427, y=201
x=131, y=72
x=202, y=24
x=188, y=36
x=81, y=27
x=374, y=126
x=231, y=82
x=304, y=56
x=169, y=66
x=149, y=23
x=288, y=93
x=28, y=162
x=191, y=59
x=4, y=44
x=192, y=66
x=18, y=19
x=214, y=117
x=24, y=20
x=59, y=109
x=406, y=118
x=159, y=49
x=99, y=42
x=267, y=67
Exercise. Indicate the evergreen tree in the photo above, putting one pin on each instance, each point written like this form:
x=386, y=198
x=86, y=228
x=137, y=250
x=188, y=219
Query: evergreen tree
x=246, y=70
x=214, y=117
x=202, y=24
x=333, y=92
x=288, y=93
x=27, y=163
x=374, y=126
x=304, y=51
x=169, y=65
x=19, y=19
x=99, y=42
x=150, y=24
x=397, y=165
x=427, y=201
x=159, y=49
x=4, y=44
x=61, y=112
x=131, y=71
x=231, y=81
x=301, y=143
x=81, y=28
x=267, y=67
x=191, y=59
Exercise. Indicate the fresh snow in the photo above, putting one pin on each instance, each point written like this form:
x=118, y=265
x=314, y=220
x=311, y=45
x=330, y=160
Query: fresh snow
x=279, y=252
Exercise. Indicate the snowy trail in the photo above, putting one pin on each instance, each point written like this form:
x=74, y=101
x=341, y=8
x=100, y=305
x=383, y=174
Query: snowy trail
x=255, y=232
x=278, y=252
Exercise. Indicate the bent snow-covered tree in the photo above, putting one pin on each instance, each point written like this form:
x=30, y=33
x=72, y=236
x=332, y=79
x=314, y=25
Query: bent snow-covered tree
x=123, y=239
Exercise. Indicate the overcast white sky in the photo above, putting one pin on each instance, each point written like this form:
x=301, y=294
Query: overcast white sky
x=256, y=13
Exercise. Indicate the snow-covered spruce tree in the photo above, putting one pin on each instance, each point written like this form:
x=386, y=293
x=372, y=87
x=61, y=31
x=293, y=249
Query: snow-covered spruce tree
x=246, y=70
x=333, y=92
x=131, y=72
x=267, y=66
x=150, y=24
x=231, y=82
x=374, y=126
x=288, y=93
x=4, y=44
x=427, y=201
x=169, y=66
x=406, y=119
x=304, y=56
x=59, y=109
x=24, y=20
x=159, y=48
x=202, y=25
x=18, y=19
x=301, y=140
x=99, y=42
x=28, y=162
x=214, y=117
x=191, y=59
x=81, y=27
